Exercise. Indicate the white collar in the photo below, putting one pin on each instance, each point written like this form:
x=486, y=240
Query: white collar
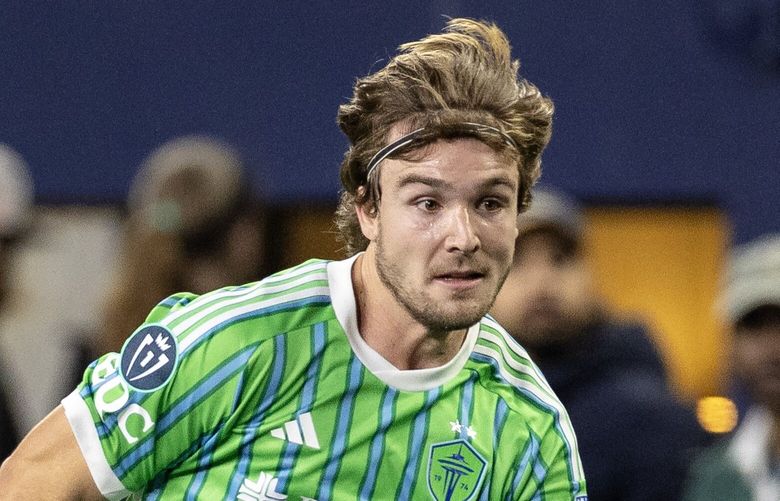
x=343, y=299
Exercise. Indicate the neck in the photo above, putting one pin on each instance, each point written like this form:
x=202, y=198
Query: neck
x=389, y=329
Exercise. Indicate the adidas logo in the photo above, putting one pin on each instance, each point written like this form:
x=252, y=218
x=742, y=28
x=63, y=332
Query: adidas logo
x=298, y=431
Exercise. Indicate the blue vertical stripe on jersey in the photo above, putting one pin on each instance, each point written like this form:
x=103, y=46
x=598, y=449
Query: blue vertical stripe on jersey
x=239, y=391
x=197, y=394
x=250, y=431
x=308, y=394
x=539, y=469
x=158, y=483
x=466, y=405
x=206, y=454
x=499, y=420
x=530, y=454
x=355, y=377
x=502, y=411
x=419, y=432
x=156, y=487
x=378, y=443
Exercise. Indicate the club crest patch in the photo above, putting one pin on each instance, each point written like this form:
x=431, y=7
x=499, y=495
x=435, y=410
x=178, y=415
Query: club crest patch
x=148, y=359
x=455, y=471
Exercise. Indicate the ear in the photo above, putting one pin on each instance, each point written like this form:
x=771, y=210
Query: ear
x=368, y=218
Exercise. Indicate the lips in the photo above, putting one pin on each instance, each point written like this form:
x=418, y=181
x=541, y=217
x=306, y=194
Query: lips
x=460, y=275
x=460, y=280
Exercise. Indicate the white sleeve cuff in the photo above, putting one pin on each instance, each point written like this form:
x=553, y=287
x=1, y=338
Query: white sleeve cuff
x=80, y=421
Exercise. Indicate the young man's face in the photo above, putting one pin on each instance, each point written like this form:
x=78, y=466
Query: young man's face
x=445, y=231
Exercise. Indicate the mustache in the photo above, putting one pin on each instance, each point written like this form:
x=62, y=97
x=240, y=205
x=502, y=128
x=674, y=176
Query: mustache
x=464, y=266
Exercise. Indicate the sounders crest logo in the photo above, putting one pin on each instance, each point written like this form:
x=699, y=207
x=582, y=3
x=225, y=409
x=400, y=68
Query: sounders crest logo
x=455, y=471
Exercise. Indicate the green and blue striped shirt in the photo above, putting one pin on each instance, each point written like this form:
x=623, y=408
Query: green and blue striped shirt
x=267, y=391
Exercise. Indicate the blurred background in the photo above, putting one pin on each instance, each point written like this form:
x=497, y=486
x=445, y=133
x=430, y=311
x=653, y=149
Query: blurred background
x=667, y=127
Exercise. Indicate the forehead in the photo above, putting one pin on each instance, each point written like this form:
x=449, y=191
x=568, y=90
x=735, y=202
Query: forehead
x=452, y=162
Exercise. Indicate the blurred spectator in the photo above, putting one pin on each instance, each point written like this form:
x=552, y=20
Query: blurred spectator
x=16, y=199
x=634, y=437
x=746, y=465
x=194, y=225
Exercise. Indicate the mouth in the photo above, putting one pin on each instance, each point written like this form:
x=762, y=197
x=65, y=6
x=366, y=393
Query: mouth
x=460, y=279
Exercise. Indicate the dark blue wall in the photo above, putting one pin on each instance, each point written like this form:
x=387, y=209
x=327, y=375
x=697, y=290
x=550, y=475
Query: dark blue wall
x=656, y=101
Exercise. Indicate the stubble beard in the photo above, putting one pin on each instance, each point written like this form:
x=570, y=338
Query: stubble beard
x=421, y=307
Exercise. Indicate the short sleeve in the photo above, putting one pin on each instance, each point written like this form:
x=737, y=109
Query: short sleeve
x=144, y=410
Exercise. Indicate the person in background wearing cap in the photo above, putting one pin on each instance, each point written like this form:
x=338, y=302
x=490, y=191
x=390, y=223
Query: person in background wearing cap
x=16, y=200
x=193, y=225
x=633, y=434
x=746, y=465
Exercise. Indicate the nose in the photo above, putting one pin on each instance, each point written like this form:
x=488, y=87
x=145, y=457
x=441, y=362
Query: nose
x=462, y=235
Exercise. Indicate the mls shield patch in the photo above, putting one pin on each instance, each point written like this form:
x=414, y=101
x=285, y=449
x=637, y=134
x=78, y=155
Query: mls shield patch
x=149, y=358
x=455, y=471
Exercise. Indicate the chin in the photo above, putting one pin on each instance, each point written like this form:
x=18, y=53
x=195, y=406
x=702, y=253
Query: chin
x=457, y=319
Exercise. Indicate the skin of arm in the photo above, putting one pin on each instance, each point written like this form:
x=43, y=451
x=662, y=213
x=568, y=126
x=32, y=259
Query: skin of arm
x=48, y=464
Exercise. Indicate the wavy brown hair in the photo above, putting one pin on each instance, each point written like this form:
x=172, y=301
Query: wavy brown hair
x=464, y=74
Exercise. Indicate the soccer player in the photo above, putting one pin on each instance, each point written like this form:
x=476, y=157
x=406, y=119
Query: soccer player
x=377, y=377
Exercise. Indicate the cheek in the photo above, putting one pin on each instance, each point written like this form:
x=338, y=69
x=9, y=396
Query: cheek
x=404, y=238
x=500, y=239
x=428, y=230
x=407, y=223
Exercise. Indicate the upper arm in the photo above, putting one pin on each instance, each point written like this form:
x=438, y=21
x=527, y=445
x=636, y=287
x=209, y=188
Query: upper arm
x=175, y=384
x=49, y=464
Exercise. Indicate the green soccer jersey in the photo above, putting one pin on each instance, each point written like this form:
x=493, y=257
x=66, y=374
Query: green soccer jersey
x=267, y=391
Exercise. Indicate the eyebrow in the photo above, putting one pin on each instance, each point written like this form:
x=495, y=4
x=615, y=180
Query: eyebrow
x=433, y=182
x=500, y=181
x=437, y=183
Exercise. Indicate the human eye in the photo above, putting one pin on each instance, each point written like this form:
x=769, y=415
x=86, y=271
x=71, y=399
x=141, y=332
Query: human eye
x=492, y=204
x=427, y=204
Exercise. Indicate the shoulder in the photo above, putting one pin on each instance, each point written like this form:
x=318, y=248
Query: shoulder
x=291, y=289
x=280, y=302
x=510, y=362
x=535, y=413
x=507, y=369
